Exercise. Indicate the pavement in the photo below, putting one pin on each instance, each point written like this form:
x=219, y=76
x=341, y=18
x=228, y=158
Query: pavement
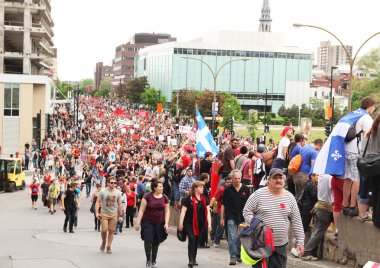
x=34, y=238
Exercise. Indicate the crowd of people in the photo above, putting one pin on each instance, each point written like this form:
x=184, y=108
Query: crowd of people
x=141, y=164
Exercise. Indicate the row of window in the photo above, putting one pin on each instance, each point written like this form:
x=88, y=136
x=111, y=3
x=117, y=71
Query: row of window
x=11, y=100
x=128, y=58
x=239, y=53
x=258, y=96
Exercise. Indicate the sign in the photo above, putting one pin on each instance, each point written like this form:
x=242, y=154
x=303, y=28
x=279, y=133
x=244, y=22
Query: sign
x=136, y=125
x=306, y=125
x=328, y=109
x=123, y=130
x=173, y=142
x=184, y=129
x=152, y=131
x=112, y=157
x=161, y=138
x=215, y=107
x=219, y=118
x=159, y=108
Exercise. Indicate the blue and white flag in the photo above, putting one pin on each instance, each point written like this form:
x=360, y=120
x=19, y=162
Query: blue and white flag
x=205, y=142
x=331, y=158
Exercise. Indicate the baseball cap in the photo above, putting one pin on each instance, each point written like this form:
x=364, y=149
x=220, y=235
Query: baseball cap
x=275, y=171
x=261, y=148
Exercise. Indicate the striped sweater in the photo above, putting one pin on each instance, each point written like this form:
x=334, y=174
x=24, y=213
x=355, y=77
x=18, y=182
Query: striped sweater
x=277, y=212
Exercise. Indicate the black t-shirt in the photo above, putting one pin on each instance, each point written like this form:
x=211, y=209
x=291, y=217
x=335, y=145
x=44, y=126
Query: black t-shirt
x=205, y=167
x=234, y=202
x=189, y=212
x=70, y=199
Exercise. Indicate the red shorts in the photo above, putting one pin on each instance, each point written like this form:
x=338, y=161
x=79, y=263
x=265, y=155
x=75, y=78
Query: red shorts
x=337, y=188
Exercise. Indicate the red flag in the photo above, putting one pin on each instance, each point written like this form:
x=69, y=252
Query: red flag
x=118, y=112
x=135, y=137
x=100, y=114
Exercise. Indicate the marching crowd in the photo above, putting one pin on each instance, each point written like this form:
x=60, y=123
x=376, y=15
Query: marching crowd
x=141, y=164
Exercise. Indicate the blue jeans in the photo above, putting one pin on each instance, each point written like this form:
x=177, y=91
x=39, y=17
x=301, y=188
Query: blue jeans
x=219, y=231
x=363, y=191
x=233, y=239
x=175, y=188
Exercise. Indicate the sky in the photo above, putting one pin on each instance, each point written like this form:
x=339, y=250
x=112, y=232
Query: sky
x=88, y=31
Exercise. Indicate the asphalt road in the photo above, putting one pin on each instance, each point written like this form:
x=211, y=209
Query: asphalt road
x=34, y=238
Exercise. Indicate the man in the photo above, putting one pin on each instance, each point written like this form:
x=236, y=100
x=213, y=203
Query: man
x=279, y=161
x=53, y=193
x=228, y=159
x=294, y=148
x=69, y=206
x=309, y=154
x=231, y=213
x=186, y=160
x=109, y=199
x=218, y=197
x=206, y=164
x=277, y=208
x=259, y=175
x=185, y=184
x=240, y=158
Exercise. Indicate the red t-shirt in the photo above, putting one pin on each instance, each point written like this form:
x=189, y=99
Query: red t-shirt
x=131, y=199
x=34, y=188
x=155, y=208
x=219, y=197
x=185, y=161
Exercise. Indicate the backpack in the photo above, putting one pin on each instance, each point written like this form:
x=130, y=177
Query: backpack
x=257, y=242
x=269, y=157
x=295, y=163
x=259, y=171
x=351, y=133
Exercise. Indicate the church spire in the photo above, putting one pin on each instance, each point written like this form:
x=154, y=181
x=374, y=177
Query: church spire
x=265, y=20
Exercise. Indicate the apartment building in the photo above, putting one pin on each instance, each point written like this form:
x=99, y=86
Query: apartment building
x=102, y=71
x=123, y=64
x=329, y=56
x=27, y=70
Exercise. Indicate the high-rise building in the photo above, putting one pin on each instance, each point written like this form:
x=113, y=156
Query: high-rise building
x=123, y=64
x=27, y=67
x=329, y=56
x=102, y=71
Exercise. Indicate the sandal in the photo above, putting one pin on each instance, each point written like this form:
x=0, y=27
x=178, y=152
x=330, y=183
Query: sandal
x=365, y=218
x=309, y=258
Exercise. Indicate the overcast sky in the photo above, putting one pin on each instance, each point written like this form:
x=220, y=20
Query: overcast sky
x=88, y=31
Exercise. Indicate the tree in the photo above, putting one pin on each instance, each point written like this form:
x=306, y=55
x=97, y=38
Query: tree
x=205, y=100
x=63, y=88
x=151, y=96
x=85, y=82
x=186, y=101
x=231, y=109
x=135, y=88
x=121, y=89
x=370, y=62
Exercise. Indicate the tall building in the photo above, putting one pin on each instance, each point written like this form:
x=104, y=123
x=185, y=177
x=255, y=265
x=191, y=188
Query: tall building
x=27, y=66
x=123, y=64
x=265, y=20
x=102, y=71
x=329, y=56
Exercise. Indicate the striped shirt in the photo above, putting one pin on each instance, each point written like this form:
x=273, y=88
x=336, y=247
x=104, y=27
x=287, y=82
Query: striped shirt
x=277, y=212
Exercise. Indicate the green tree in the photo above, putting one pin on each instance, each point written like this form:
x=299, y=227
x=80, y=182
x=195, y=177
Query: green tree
x=151, y=96
x=121, y=89
x=135, y=88
x=85, y=82
x=187, y=100
x=370, y=62
x=231, y=109
x=63, y=88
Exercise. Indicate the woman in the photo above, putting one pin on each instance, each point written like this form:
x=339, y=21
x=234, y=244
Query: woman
x=154, y=221
x=130, y=207
x=195, y=216
x=94, y=197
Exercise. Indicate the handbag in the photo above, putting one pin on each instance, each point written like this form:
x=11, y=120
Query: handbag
x=181, y=235
x=369, y=165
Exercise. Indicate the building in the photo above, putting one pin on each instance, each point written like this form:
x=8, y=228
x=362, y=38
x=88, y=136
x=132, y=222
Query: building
x=123, y=64
x=329, y=56
x=27, y=66
x=102, y=71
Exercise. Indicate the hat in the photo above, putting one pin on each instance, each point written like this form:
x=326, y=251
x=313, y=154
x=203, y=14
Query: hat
x=261, y=148
x=286, y=130
x=275, y=171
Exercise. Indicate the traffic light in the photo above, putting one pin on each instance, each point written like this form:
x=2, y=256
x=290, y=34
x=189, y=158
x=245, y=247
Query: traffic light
x=230, y=124
x=49, y=125
x=328, y=128
x=215, y=131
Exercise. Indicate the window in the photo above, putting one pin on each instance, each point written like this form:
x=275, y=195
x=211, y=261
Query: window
x=144, y=64
x=11, y=100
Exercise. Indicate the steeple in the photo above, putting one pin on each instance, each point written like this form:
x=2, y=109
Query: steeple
x=265, y=20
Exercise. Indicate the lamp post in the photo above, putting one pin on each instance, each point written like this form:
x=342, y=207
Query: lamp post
x=350, y=59
x=265, y=111
x=331, y=98
x=215, y=77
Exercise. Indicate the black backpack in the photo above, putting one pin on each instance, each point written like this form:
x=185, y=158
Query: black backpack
x=351, y=133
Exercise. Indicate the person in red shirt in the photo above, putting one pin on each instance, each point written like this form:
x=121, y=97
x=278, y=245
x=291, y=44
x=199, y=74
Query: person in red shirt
x=218, y=197
x=131, y=205
x=186, y=160
x=33, y=191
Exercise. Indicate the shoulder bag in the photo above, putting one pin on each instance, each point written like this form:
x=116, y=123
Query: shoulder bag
x=369, y=165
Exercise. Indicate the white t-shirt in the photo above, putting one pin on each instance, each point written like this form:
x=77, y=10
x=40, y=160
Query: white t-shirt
x=363, y=124
x=324, y=188
x=284, y=142
x=155, y=172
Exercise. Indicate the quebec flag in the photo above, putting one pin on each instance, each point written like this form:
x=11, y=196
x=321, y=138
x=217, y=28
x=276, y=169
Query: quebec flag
x=205, y=142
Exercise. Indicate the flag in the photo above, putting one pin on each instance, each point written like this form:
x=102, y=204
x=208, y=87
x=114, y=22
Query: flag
x=331, y=158
x=205, y=142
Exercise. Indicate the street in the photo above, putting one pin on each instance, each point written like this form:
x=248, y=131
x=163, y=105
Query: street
x=34, y=238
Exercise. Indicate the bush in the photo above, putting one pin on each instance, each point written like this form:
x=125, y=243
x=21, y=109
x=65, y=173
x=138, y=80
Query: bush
x=277, y=121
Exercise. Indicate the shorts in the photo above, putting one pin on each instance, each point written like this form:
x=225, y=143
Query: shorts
x=350, y=168
x=108, y=221
x=53, y=201
x=34, y=198
x=337, y=189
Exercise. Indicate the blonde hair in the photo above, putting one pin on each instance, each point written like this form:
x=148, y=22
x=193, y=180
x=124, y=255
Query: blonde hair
x=195, y=185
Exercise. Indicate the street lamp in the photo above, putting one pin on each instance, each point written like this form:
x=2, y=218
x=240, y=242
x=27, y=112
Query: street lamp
x=215, y=76
x=350, y=59
x=331, y=98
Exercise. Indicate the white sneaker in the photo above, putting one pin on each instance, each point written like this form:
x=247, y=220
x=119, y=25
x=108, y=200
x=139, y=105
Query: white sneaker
x=216, y=245
x=295, y=252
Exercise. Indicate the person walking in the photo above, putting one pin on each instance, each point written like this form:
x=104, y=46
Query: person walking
x=185, y=184
x=286, y=134
x=69, y=206
x=228, y=159
x=34, y=191
x=53, y=193
x=277, y=208
x=130, y=206
x=94, y=197
x=109, y=199
x=153, y=218
x=195, y=216
x=231, y=213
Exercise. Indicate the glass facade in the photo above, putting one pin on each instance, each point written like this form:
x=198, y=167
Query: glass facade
x=244, y=74
x=11, y=100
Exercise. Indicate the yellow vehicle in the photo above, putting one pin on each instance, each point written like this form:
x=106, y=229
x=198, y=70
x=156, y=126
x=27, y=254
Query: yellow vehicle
x=12, y=176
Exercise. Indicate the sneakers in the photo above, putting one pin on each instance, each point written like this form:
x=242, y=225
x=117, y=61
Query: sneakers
x=232, y=261
x=238, y=259
x=365, y=218
x=216, y=245
x=295, y=252
x=148, y=264
x=309, y=258
x=153, y=265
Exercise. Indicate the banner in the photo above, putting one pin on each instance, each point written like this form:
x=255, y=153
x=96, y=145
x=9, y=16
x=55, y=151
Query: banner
x=185, y=129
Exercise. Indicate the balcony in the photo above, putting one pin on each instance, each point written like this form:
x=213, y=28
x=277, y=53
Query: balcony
x=46, y=46
x=13, y=55
x=17, y=26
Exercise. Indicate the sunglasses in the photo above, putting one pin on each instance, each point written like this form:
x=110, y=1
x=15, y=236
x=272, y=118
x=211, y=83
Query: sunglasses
x=112, y=182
